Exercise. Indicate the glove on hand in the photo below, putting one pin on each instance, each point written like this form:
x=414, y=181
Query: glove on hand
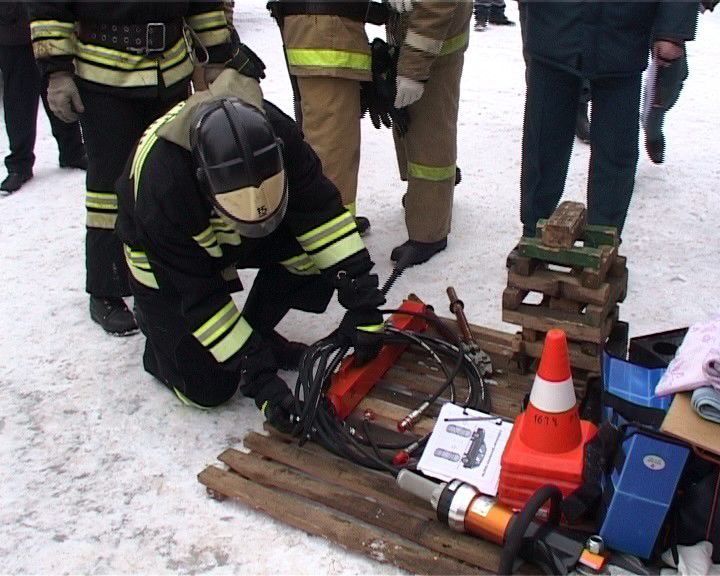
x=380, y=94
x=359, y=293
x=408, y=91
x=369, y=102
x=401, y=5
x=280, y=411
x=63, y=97
x=363, y=330
x=246, y=62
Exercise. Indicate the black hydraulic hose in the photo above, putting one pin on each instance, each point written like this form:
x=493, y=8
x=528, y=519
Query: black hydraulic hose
x=522, y=520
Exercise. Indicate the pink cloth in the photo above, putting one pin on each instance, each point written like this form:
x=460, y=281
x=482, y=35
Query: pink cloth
x=697, y=362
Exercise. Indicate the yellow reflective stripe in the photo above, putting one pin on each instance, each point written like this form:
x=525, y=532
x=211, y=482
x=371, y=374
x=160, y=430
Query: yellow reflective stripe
x=372, y=328
x=53, y=47
x=100, y=220
x=323, y=58
x=137, y=257
x=145, y=277
x=221, y=225
x=185, y=400
x=331, y=236
x=231, y=238
x=101, y=200
x=233, y=342
x=55, y=28
x=207, y=240
x=322, y=234
x=432, y=173
x=455, y=43
x=351, y=208
x=338, y=251
x=423, y=43
x=301, y=265
x=217, y=324
x=129, y=61
x=207, y=20
x=214, y=37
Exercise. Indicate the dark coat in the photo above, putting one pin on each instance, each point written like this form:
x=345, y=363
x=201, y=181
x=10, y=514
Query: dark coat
x=595, y=39
x=14, y=24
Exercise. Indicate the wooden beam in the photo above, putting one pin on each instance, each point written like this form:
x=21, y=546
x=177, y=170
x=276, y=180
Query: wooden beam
x=376, y=543
x=565, y=225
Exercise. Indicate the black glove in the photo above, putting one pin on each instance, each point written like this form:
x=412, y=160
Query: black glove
x=280, y=411
x=379, y=96
x=364, y=331
x=244, y=60
x=358, y=293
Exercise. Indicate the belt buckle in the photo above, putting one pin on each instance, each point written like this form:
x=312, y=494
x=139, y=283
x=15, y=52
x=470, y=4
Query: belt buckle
x=150, y=44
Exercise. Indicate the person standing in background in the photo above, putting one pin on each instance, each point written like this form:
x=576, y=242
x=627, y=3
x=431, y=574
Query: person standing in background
x=490, y=12
x=22, y=88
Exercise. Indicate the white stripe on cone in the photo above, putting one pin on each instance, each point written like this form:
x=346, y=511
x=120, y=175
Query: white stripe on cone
x=553, y=397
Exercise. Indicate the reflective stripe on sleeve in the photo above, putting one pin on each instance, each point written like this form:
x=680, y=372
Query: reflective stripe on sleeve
x=301, y=265
x=372, y=328
x=207, y=240
x=325, y=233
x=431, y=173
x=101, y=209
x=139, y=267
x=338, y=251
x=423, y=43
x=224, y=333
x=51, y=28
x=214, y=37
x=455, y=43
x=207, y=20
x=323, y=58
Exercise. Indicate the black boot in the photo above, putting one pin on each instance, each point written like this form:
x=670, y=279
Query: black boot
x=413, y=252
x=14, y=182
x=482, y=13
x=497, y=16
x=287, y=354
x=113, y=315
x=363, y=225
x=582, y=123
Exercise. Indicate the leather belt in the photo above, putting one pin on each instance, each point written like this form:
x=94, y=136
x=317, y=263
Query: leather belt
x=150, y=39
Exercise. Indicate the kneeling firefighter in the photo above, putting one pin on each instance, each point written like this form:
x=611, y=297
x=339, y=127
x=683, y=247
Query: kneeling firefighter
x=224, y=181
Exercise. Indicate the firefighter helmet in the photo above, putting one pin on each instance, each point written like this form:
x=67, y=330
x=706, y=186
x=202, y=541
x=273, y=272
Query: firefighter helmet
x=239, y=165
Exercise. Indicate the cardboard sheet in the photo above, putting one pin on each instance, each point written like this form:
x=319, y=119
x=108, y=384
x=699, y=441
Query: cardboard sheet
x=683, y=423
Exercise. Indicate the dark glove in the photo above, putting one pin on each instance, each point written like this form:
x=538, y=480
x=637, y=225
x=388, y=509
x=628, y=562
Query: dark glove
x=358, y=293
x=364, y=331
x=369, y=103
x=280, y=411
x=244, y=60
x=384, y=74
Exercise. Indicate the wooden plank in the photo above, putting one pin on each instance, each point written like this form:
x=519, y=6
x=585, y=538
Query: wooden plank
x=594, y=276
x=565, y=305
x=575, y=257
x=540, y=319
x=376, y=543
x=428, y=533
x=561, y=285
x=596, y=235
x=520, y=264
x=315, y=460
x=578, y=358
x=565, y=225
x=512, y=298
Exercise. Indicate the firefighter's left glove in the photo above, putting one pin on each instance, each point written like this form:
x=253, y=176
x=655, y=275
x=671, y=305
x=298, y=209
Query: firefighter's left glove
x=64, y=97
x=408, y=91
x=246, y=62
x=363, y=330
x=370, y=104
x=358, y=293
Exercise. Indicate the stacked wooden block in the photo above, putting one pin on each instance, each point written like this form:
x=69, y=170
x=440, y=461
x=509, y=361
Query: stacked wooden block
x=569, y=276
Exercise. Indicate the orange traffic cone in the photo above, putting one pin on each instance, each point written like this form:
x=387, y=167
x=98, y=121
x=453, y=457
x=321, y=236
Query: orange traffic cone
x=547, y=443
x=552, y=423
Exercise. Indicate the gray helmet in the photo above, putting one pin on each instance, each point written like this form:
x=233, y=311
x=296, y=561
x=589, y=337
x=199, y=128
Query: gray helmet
x=239, y=164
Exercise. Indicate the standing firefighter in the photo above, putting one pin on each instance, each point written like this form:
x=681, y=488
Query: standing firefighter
x=432, y=37
x=118, y=66
x=225, y=181
x=328, y=57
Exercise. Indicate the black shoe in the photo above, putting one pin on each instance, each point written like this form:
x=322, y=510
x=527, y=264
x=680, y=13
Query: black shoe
x=113, y=315
x=287, y=354
x=656, y=149
x=14, y=182
x=412, y=253
x=79, y=163
x=497, y=16
x=482, y=13
x=458, y=175
x=363, y=225
x=480, y=26
x=582, y=124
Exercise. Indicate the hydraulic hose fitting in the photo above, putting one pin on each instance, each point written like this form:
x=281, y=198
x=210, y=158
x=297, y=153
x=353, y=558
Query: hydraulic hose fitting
x=411, y=419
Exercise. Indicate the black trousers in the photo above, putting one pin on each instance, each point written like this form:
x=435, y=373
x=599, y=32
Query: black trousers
x=551, y=105
x=111, y=126
x=178, y=360
x=21, y=88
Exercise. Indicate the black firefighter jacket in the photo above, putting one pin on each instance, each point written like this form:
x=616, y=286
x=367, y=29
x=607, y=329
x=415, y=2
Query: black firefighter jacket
x=597, y=39
x=14, y=24
x=172, y=229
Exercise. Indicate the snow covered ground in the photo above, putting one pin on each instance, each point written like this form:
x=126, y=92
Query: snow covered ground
x=98, y=461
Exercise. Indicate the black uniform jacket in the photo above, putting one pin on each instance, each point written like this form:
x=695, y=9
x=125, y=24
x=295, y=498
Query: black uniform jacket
x=596, y=39
x=172, y=230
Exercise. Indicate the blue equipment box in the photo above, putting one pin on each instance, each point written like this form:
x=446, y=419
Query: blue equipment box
x=639, y=491
x=634, y=384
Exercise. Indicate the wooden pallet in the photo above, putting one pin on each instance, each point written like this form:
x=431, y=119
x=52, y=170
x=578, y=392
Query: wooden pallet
x=359, y=509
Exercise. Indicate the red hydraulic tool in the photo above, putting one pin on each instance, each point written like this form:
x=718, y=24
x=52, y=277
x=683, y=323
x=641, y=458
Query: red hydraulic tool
x=350, y=384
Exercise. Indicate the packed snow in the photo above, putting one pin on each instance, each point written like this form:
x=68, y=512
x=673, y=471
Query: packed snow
x=98, y=461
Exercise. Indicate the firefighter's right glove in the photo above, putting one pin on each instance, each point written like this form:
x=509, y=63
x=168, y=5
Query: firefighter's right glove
x=280, y=412
x=384, y=72
x=64, y=97
x=358, y=293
